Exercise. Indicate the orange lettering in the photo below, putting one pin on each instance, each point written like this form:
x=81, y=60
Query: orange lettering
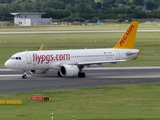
x=124, y=38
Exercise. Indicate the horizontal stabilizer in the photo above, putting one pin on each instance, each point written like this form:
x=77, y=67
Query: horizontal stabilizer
x=131, y=53
x=138, y=54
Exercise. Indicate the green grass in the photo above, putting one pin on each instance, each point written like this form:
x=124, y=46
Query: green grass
x=80, y=27
x=114, y=102
x=149, y=42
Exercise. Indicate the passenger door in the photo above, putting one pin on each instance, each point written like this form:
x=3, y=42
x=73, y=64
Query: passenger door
x=29, y=59
x=117, y=55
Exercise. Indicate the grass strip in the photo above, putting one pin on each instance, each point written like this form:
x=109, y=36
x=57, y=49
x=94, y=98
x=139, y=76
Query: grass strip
x=107, y=26
x=113, y=102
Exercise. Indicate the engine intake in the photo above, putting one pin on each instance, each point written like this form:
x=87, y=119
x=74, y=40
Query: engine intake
x=69, y=70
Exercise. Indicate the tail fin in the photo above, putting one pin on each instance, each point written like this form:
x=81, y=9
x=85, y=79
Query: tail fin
x=128, y=38
x=42, y=47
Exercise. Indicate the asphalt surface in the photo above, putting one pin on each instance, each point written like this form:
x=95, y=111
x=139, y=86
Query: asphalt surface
x=11, y=81
x=66, y=31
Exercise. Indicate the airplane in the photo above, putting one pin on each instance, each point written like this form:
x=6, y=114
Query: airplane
x=72, y=62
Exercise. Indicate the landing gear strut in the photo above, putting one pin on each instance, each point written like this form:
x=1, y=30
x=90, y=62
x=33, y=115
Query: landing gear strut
x=24, y=76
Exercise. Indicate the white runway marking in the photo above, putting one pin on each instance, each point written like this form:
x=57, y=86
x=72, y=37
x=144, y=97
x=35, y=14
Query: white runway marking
x=11, y=75
x=117, y=68
x=129, y=76
x=69, y=31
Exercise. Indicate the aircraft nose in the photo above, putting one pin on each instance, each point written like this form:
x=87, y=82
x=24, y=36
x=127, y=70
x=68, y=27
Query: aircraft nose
x=7, y=64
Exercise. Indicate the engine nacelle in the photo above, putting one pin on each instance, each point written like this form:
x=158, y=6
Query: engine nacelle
x=38, y=71
x=69, y=70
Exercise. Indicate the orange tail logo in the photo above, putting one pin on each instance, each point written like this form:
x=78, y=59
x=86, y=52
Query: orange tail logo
x=128, y=38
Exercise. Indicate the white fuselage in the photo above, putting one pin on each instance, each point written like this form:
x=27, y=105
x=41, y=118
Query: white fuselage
x=51, y=59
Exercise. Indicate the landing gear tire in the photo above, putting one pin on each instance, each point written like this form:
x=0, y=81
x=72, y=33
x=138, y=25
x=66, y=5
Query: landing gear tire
x=24, y=76
x=58, y=73
x=81, y=75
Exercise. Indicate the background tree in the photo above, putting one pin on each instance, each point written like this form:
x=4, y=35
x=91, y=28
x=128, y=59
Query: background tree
x=81, y=10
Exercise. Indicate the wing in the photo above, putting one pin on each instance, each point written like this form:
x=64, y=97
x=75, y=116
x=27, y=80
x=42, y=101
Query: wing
x=99, y=62
x=59, y=64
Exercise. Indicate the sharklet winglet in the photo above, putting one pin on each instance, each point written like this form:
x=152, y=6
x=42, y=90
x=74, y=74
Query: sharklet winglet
x=42, y=47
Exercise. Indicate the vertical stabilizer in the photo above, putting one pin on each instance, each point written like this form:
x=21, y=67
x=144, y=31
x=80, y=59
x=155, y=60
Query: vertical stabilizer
x=128, y=39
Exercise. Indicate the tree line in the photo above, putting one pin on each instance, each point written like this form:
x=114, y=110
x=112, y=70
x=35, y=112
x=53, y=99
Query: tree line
x=82, y=10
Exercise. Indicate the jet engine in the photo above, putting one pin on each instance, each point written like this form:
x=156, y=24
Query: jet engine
x=69, y=70
x=38, y=71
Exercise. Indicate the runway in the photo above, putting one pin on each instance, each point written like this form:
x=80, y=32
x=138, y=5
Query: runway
x=11, y=81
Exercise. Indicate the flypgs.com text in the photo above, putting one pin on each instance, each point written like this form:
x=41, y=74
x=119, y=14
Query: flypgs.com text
x=40, y=59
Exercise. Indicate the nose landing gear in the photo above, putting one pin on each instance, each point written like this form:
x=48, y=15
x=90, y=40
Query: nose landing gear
x=24, y=76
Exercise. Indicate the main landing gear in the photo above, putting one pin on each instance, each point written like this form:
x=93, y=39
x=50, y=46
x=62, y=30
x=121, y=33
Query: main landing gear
x=24, y=76
x=81, y=75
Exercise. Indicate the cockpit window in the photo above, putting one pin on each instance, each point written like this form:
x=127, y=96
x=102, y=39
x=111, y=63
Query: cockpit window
x=15, y=58
x=12, y=58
